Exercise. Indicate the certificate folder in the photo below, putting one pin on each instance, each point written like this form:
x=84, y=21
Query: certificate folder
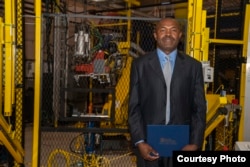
x=167, y=138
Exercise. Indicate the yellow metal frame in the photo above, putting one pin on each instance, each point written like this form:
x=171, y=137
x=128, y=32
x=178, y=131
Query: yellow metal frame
x=8, y=41
x=1, y=64
x=18, y=72
x=226, y=41
x=214, y=102
x=243, y=42
x=243, y=73
x=180, y=10
x=37, y=86
x=123, y=84
x=216, y=122
x=198, y=40
x=12, y=147
x=195, y=20
x=9, y=138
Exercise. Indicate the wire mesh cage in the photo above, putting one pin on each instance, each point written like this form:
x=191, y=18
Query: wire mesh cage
x=225, y=20
x=85, y=77
x=85, y=87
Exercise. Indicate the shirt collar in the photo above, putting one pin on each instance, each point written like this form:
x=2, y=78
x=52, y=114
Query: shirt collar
x=162, y=55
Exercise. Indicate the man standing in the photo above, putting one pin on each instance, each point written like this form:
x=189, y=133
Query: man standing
x=158, y=96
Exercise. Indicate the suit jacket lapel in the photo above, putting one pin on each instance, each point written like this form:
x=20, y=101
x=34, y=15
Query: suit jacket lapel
x=156, y=66
x=177, y=67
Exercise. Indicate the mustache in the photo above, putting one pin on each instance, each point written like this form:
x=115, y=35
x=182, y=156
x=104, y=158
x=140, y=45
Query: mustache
x=168, y=37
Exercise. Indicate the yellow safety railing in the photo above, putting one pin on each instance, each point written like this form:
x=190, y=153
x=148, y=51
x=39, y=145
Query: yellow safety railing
x=8, y=136
x=37, y=86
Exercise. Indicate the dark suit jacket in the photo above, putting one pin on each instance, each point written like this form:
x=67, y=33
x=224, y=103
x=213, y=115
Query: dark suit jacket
x=147, y=99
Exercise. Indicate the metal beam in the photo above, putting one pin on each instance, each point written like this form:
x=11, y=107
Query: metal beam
x=226, y=41
x=8, y=41
x=37, y=99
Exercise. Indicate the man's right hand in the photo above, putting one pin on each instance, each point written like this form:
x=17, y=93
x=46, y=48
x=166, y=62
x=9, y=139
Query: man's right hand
x=147, y=152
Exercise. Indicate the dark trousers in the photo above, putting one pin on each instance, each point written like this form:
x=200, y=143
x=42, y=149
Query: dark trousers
x=161, y=162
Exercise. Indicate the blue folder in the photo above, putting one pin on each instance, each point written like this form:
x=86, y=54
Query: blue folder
x=167, y=138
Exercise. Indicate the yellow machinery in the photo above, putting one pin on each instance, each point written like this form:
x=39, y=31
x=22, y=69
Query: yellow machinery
x=8, y=139
x=220, y=113
x=221, y=109
x=11, y=95
x=121, y=102
x=222, y=116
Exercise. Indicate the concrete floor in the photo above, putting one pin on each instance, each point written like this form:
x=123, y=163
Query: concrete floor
x=28, y=140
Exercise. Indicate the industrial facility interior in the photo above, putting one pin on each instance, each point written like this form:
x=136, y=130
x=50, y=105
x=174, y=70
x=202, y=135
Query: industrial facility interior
x=65, y=69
